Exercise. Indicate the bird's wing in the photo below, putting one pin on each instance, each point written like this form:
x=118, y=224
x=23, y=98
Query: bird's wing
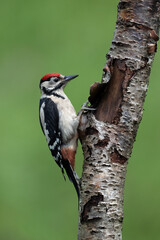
x=49, y=119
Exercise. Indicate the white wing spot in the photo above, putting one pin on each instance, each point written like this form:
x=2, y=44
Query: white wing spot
x=54, y=144
x=57, y=157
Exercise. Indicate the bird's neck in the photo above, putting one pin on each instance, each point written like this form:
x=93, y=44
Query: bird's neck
x=52, y=92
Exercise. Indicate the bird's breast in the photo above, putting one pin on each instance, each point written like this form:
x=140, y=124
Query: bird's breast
x=68, y=120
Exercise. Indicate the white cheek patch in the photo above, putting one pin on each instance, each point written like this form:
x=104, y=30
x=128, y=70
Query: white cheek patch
x=45, y=84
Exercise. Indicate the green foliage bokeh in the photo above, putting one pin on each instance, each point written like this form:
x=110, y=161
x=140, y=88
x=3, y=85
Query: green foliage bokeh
x=70, y=37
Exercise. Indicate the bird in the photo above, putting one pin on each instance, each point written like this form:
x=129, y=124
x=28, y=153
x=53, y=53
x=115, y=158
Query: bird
x=59, y=123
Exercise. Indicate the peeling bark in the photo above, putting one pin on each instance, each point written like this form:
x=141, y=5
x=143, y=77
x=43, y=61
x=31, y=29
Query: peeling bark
x=107, y=134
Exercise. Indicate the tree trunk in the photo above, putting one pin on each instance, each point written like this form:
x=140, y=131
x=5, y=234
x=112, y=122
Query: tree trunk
x=108, y=134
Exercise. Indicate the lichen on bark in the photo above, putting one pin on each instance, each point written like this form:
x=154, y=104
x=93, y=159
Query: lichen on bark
x=107, y=134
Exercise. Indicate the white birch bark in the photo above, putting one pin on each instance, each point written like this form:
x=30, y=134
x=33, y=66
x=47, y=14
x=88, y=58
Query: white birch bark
x=108, y=134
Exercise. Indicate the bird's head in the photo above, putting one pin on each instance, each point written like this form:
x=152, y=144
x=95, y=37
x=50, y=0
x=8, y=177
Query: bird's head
x=54, y=81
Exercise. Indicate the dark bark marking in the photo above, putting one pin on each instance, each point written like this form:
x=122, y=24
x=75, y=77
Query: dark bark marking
x=95, y=219
x=120, y=44
x=93, y=201
x=89, y=150
x=118, y=158
x=121, y=219
x=102, y=143
x=91, y=131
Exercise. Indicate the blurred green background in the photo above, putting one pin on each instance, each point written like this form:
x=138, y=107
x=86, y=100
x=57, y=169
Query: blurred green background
x=70, y=37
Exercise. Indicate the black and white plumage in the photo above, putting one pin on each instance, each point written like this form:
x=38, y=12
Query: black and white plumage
x=59, y=123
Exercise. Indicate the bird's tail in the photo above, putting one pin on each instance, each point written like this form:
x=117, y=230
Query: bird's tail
x=72, y=175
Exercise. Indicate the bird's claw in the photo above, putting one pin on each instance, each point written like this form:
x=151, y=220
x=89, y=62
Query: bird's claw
x=86, y=107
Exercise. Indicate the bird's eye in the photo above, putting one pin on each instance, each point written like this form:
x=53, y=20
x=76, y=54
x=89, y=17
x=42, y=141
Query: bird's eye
x=56, y=80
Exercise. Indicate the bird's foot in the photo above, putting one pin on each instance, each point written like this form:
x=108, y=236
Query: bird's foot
x=85, y=108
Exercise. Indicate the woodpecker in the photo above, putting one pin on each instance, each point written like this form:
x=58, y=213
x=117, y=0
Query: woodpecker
x=59, y=123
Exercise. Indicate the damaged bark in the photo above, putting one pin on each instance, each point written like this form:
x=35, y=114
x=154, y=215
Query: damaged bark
x=107, y=134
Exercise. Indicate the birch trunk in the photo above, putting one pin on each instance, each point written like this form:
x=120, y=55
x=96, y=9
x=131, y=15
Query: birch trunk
x=108, y=134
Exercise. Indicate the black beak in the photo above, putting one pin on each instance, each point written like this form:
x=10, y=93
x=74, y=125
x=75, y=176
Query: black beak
x=68, y=78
